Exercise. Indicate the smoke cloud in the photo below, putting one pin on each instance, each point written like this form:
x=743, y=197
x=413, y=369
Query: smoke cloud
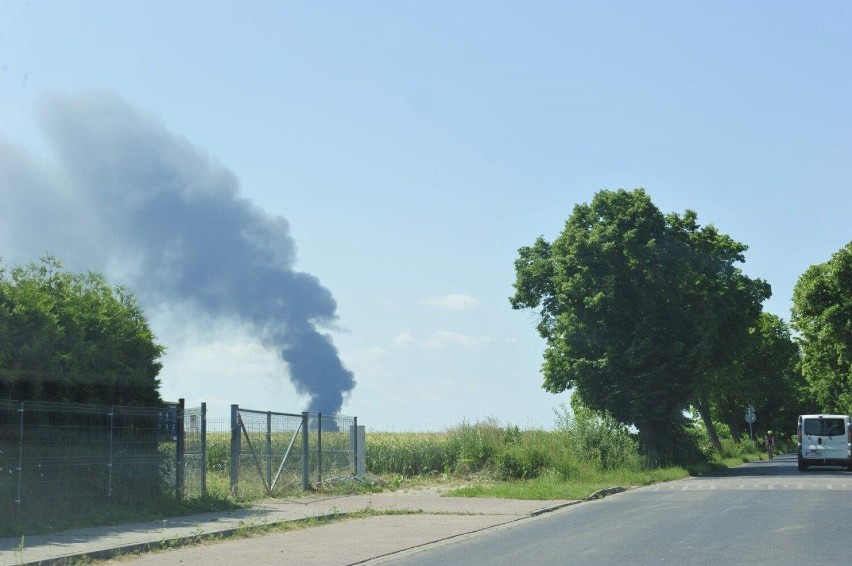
x=123, y=192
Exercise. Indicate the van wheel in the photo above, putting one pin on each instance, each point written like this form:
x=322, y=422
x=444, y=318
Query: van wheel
x=803, y=466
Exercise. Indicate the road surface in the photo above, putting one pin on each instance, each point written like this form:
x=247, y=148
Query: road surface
x=762, y=513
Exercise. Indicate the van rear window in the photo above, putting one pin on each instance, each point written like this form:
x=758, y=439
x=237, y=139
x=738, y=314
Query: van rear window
x=824, y=427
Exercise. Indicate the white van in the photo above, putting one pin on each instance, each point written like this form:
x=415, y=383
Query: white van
x=825, y=440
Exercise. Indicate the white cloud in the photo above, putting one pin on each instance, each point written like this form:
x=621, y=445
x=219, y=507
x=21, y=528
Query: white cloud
x=453, y=302
x=444, y=338
x=403, y=339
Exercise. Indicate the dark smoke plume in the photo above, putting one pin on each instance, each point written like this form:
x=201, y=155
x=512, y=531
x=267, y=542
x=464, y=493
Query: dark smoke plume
x=125, y=191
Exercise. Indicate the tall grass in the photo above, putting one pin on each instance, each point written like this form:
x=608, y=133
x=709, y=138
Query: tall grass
x=580, y=442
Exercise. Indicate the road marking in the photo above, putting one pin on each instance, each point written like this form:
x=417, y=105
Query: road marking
x=767, y=484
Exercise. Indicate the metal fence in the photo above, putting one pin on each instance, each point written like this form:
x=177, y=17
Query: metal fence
x=65, y=459
x=273, y=453
x=59, y=459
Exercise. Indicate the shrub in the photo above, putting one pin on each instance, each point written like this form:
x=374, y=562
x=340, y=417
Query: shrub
x=597, y=438
x=518, y=461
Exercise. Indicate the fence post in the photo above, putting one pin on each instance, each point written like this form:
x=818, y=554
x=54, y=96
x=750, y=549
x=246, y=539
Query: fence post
x=20, y=458
x=109, y=463
x=203, y=449
x=269, y=449
x=179, y=456
x=235, y=448
x=319, y=448
x=355, y=444
x=305, y=452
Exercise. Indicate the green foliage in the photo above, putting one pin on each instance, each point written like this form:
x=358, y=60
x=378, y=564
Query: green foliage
x=595, y=439
x=73, y=337
x=638, y=309
x=764, y=374
x=482, y=447
x=219, y=453
x=407, y=454
x=822, y=314
x=509, y=453
x=473, y=446
x=527, y=458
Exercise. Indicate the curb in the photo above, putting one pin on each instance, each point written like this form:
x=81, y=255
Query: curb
x=601, y=493
x=552, y=508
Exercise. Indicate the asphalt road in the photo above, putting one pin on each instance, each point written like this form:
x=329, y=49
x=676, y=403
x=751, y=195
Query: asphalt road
x=762, y=513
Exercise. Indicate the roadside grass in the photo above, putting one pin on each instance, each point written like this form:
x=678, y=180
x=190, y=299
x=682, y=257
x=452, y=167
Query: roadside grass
x=585, y=452
x=550, y=486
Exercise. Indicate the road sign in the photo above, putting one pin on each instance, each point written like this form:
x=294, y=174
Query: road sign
x=750, y=415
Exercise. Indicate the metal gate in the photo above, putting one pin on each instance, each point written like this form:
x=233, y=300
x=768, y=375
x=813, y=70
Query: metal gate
x=275, y=453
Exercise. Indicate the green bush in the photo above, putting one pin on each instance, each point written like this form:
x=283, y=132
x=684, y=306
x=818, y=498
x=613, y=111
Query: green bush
x=518, y=461
x=597, y=438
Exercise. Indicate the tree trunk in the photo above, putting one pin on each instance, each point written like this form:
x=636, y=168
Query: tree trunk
x=652, y=452
x=703, y=406
x=736, y=429
x=650, y=447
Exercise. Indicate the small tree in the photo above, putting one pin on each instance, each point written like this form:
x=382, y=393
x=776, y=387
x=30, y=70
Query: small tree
x=72, y=337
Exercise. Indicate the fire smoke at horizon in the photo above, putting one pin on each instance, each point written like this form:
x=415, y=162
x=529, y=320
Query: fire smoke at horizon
x=125, y=191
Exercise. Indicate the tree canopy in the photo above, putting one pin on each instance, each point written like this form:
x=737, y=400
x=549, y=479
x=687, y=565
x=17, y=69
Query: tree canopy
x=822, y=314
x=765, y=375
x=74, y=337
x=639, y=310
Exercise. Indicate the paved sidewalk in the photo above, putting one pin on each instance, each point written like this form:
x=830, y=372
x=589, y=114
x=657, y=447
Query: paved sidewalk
x=339, y=543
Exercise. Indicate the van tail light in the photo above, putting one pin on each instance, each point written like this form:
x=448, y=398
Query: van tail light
x=799, y=433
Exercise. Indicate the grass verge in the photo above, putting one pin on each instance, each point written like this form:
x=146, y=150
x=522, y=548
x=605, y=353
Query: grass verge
x=551, y=487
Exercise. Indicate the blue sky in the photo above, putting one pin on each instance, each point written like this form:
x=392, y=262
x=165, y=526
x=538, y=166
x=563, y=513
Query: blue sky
x=413, y=147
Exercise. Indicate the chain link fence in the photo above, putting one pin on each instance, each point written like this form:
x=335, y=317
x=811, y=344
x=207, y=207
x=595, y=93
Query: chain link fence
x=65, y=460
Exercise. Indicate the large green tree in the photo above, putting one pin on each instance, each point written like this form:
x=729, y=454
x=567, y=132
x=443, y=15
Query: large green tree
x=74, y=337
x=726, y=308
x=763, y=374
x=822, y=314
x=636, y=309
